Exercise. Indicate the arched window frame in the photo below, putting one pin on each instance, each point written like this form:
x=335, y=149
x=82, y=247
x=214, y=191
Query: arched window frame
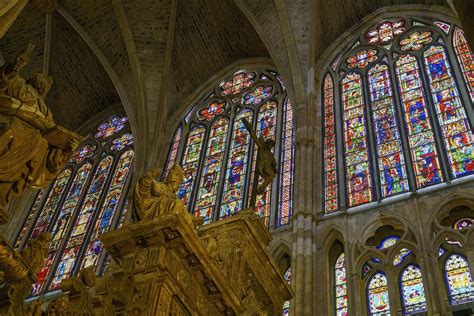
x=337, y=66
x=402, y=268
x=233, y=107
x=367, y=289
x=103, y=149
x=450, y=250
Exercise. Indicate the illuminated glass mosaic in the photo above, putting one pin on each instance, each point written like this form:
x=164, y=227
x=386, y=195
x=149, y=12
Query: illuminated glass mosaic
x=412, y=290
x=377, y=295
x=340, y=283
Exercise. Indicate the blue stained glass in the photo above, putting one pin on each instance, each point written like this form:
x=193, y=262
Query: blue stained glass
x=458, y=279
x=411, y=287
x=377, y=295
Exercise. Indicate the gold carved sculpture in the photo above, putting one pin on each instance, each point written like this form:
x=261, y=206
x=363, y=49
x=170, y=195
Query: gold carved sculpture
x=266, y=163
x=153, y=198
x=33, y=148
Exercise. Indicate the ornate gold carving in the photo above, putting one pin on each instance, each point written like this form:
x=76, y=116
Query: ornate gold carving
x=33, y=149
x=36, y=251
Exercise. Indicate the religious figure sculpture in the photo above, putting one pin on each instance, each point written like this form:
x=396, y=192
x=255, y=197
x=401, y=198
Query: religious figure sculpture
x=36, y=251
x=152, y=198
x=266, y=163
x=33, y=149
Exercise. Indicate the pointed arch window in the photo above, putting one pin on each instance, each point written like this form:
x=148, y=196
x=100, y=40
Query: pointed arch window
x=286, y=304
x=85, y=200
x=218, y=156
x=404, y=122
x=412, y=290
x=340, y=284
x=377, y=295
x=458, y=279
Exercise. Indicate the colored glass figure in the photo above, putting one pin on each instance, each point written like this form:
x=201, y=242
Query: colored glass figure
x=240, y=81
x=287, y=165
x=340, y=283
x=465, y=59
x=385, y=31
x=362, y=58
x=458, y=278
x=108, y=210
x=388, y=242
x=60, y=227
x=391, y=160
x=266, y=127
x=452, y=116
x=377, y=295
x=188, y=116
x=286, y=304
x=444, y=26
x=412, y=291
x=358, y=175
x=366, y=269
x=258, y=95
x=115, y=124
x=463, y=223
x=51, y=205
x=70, y=253
x=211, y=170
x=415, y=41
x=330, y=157
x=418, y=123
x=173, y=150
x=211, y=111
x=336, y=62
x=29, y=220
x=401, y=255
x=83, y=153
x=123, y=141
x=237, y=165
x=190, y=162
x=441, y=251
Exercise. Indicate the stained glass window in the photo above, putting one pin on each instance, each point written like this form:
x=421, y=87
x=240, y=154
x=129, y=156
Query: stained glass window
x=358, y=175
x=81, y=193
x=458, y=279
x=392, y=170
x=452, y=117
x=400, y=256
x=404, y=122
x=377, y=295
x=218, y=156
x=286, y=304
x=412, y=290
x=388, y=242
x=329, y=151
x=174, y=150
x=211, y=171
x=463, y=223
x=465, y=59
x=340, y=284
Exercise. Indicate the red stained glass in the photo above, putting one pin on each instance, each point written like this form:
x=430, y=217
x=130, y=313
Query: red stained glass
x=211, y=111
x=340, y=283
x=465, y=59
x=115, y=124
x=83, y=153
x=240, y=81
x=285, y=205
x=173, y=150
x=36, y=206
x=385, y=31
x=362, y=58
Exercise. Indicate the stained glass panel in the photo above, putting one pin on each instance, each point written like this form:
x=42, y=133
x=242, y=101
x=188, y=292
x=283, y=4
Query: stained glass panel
x=411, y=288
x=340, y=286
x=329, y=151
x=391, y=160
x=207, y=192
x=86, y=214
x=418, y=124
x=459, y=280
x=190, y=162
x=444, y=26
x=286, y=304
x=29, y=220
x=377, y=295
x=115, y=124
x=81, y=154
x=123, y=141
x=240, y=81
x=258, y=95
x=358, y=176
x=362, y=58
x=266, y=127
x=415, y=41
x=173, y=153
x=401, y=255
x=452, y=117
x=465, y=59
x=385, y=31
x=463, y=223
x=104, y=220
x=287, y=153
x=61, y=225
x=237, y=165
x=388, y=242
x=211, y=111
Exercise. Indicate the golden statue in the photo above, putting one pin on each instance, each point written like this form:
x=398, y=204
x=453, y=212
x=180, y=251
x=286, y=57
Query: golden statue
x=33, y=149
x=152, y=198
x=36, y=251
x=266, y=163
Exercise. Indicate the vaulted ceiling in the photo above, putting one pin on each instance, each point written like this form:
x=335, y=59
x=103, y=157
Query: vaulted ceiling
x=145, y=57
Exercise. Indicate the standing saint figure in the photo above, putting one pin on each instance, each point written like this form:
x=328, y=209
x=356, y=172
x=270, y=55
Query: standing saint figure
x=33, y=149
x=266, y=163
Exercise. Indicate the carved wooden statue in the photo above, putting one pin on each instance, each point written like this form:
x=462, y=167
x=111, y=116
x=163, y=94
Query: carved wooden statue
x=152, y=198
x=33, y=149
x=266, y=163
